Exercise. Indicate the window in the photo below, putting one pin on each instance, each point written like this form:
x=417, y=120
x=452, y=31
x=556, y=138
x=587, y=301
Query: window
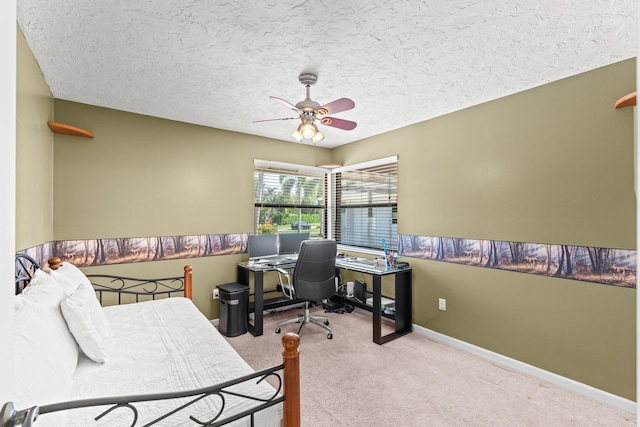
x=289, y=198
x=362, y=200
x=365, y=204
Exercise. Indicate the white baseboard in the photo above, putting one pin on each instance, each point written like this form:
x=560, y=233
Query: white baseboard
x=215, y=322
x=567, y=383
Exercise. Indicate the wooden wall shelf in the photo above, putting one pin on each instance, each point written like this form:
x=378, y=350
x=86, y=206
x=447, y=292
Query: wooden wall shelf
x=627, y=101
x=68, y=130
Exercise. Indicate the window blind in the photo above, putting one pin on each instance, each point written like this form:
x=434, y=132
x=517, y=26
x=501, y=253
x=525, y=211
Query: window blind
x=365, y=206
x=289, y=198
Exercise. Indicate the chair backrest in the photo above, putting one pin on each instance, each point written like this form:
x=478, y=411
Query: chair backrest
x=315, y=270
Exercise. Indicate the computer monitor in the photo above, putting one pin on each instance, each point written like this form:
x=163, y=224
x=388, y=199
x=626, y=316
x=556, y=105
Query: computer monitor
x=261, y=245
x=290, y=242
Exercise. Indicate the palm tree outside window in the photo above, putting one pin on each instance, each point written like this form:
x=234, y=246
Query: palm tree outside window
x=289, y=198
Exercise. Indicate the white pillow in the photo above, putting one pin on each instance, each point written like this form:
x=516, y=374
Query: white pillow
x=87, y=322
x=43, y=289
x=70, y=277
x=40, y=303
x=45, y=357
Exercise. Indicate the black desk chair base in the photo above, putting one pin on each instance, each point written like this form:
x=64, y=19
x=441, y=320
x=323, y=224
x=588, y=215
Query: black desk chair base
x=322, y=321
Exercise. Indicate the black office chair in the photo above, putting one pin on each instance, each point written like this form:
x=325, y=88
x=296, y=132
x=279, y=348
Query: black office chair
x=313, y=280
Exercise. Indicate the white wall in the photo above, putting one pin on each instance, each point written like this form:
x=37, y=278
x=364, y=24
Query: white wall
x=637, y=188
x=7, y=192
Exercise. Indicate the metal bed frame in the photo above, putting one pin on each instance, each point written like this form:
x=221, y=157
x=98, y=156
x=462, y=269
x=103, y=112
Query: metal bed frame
x=287, y=374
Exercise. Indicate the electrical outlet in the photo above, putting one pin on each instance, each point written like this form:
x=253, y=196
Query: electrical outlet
x=216, y=293
x=442, y=304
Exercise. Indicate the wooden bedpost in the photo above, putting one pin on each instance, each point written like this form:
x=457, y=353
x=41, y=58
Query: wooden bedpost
x=54, y=263
x=291, y=360
x=187, y=281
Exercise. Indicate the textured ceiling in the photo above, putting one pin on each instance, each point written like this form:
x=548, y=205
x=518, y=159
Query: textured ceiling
x=215, y=63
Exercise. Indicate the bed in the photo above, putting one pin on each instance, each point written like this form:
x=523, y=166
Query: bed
x=154, y=361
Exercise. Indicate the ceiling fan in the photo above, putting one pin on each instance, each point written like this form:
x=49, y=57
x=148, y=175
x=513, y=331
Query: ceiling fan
x=308, y=111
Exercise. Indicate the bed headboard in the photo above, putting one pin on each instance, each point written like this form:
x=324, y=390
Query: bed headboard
x=108, y=284
x=25, y=269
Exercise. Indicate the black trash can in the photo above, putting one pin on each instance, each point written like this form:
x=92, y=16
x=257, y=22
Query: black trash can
x=234, y=306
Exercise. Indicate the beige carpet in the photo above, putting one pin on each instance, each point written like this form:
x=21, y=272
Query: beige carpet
x=413, y=381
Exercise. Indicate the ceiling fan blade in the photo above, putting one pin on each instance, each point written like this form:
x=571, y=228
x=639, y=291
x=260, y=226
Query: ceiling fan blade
x=339, y=123
x=342, y=104
x=273, y=120
x=285, y=103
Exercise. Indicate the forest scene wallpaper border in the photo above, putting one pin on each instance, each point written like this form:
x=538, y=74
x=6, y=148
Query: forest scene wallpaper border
x=615, y=267
x=609, y=266
x=94, y=252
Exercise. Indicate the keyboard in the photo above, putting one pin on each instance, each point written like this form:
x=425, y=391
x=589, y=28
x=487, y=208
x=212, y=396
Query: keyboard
x=282, y=261
x=274, y=261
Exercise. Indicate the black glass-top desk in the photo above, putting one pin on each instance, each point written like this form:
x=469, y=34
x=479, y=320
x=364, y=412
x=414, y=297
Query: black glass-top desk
x=403, y=297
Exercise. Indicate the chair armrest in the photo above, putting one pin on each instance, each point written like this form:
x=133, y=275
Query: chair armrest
x=283, y=271
x=287, y=288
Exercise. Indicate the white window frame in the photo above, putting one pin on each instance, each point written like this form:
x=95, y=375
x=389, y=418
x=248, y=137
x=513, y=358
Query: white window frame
x=330, y=201
x=293, y=169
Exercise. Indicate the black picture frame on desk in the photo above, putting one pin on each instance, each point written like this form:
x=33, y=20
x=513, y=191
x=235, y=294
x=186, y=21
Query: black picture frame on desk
x=360, y=291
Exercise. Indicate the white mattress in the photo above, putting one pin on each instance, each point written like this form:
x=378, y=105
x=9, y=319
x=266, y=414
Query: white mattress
x=161, y=346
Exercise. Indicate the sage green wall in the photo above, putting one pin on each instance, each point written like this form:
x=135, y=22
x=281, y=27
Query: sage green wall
x=553, y=164
x=144, y=176
x=34, y=151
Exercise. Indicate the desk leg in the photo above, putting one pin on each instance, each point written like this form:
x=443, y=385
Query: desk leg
x=377, y=311
x=243, y=275
x=404, y=302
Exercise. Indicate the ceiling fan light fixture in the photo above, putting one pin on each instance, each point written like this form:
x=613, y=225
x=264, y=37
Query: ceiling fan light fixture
x=297, y=134
x=309, y=130
x=318, y=137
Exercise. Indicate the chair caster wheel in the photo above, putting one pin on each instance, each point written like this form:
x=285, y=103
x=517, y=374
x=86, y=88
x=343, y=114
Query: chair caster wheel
x=326, y=322
x=330, y=336
x=277, y=330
